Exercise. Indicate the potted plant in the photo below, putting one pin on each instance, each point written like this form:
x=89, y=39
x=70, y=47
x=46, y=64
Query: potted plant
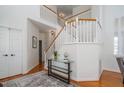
x=55, y=55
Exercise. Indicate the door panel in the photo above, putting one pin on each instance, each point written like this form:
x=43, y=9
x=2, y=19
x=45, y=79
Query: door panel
x=15, y=63
x=40, y=51
x=4, y=46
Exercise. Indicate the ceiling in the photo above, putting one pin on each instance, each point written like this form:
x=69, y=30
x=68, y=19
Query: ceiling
x=67, y=9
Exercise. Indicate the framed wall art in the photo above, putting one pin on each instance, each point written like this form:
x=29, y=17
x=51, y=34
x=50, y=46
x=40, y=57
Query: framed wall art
x=34, y=42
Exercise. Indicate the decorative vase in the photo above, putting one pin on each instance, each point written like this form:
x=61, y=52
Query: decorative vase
x=65, y=56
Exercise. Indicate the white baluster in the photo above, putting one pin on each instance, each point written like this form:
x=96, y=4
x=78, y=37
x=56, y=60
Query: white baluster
x=91, y=32
x=66, y=27
x=84, y=30
x=85, y=34
x=90, y=29
x=96, y=32
x=70, y=32
x=73, y=31
x=77, y=32
x=80, y=32
x=67, y=32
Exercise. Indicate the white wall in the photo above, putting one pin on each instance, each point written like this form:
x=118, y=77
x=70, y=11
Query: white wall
x=72, y=52
x=110, y=13
x=16, y=17
x=97, y=12
x=33, y=53
x=79, y=9
x=53, y=7
x=49, y=15
x=85, y=60
x=88, y=62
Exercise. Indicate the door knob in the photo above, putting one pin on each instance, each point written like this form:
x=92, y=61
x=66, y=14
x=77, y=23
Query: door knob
x=12, y=54
x=5, y=55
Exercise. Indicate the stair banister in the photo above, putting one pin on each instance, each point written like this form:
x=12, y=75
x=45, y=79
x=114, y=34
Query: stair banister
x=76, y=32
x=54, y=39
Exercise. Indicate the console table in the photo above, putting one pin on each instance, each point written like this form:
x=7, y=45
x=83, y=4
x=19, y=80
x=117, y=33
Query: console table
x=66, y=71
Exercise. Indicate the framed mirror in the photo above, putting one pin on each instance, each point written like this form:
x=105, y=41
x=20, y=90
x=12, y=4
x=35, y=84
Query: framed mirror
x=34, y=42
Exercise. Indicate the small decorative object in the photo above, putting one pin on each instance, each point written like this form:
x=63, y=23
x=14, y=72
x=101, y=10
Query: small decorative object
x=65, y=56
x=55, y=55
x=34, y=42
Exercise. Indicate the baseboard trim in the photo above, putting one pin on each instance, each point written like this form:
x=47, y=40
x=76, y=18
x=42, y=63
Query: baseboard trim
x=111, y=70
x=78, y=82
x=75, y=81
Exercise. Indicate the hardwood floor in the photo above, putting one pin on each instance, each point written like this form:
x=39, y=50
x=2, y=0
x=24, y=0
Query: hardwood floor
x=34, y=70
x=108, y=79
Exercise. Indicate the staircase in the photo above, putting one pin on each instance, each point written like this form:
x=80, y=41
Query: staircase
x=76, y=31
x=81, y=38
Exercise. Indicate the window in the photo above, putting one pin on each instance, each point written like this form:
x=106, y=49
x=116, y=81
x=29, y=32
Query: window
x=115, y=45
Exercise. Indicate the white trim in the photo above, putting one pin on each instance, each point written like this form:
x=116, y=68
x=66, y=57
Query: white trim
x=69, y=43
x=112, y=70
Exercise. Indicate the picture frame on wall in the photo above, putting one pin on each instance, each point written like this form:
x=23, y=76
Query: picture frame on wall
x=34, y=42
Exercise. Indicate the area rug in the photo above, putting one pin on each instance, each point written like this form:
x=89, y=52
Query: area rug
x=39, y=79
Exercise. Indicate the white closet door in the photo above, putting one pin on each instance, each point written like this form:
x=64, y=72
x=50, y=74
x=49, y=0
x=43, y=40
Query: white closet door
x=15, y=62
x=4, y=46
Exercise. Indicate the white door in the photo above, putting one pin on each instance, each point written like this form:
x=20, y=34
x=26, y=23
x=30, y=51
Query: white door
x=4, y=46
x=15, y=52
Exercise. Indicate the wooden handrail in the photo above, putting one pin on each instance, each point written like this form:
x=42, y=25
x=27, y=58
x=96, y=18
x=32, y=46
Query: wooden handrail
x=54, y=12
x=77, y=14
x=87, y=19
x=55, y=39
x=83, y=19
x=59, y=31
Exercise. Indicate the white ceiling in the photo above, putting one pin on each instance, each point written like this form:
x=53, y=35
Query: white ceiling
x=67, y=9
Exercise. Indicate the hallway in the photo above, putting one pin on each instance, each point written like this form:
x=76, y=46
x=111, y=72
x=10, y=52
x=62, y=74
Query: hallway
x=108, y=79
